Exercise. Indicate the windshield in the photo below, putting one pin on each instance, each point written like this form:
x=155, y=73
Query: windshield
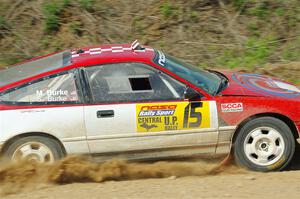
x=35, y=67
x=205, y=80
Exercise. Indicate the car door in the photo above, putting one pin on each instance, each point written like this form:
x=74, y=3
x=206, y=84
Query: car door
x=136, y=107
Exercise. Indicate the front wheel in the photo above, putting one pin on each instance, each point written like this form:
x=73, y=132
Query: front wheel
x=264, y=144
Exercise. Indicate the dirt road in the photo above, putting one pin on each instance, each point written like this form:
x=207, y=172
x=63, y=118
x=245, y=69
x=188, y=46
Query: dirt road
x=77, y=179
x=274, y=185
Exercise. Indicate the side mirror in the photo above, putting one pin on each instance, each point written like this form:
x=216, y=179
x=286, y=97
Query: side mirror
x=191, y=94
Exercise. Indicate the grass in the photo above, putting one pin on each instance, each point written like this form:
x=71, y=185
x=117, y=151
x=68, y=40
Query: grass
x=86, y=4
x=2, y=23
x=166, y=10
x=292, y=51
x=260, y=10
x=76, y=28
x=52, y=11
x=255, y=52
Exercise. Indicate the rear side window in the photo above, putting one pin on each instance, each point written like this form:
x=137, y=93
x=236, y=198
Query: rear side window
x=58, y=89
x=131, y=82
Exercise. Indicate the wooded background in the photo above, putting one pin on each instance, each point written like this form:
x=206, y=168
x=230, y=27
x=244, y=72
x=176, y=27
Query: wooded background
x=250, y=35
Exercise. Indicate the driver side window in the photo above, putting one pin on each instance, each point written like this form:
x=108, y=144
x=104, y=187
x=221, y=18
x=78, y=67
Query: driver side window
x=127, y=82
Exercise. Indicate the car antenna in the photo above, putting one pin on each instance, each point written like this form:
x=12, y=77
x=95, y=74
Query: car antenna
x=136, y=46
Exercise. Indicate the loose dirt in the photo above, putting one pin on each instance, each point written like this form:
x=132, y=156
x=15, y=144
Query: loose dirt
x=77, y=177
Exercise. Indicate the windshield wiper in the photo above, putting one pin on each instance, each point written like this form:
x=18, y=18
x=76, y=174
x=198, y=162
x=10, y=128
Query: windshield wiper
x=223, y=82
x=222, y=85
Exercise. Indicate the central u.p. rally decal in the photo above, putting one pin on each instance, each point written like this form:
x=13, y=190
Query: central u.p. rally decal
x=156, y=117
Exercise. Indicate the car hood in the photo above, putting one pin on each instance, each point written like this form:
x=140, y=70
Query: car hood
x=242, y=84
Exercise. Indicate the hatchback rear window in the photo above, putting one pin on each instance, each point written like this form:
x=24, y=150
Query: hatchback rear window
x=35, y=67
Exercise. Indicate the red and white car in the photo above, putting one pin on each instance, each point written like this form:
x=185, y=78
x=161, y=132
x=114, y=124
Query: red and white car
x=134, y=102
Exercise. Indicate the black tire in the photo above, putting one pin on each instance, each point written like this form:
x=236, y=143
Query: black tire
x=48, y=143
x=286, y=142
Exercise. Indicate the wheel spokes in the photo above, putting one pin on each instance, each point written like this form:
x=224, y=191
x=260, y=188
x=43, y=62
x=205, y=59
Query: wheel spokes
x=264, y=146
x=249, y=149
x=273, y=136
x=263, y=159
x=34, y=151
x=44, y=154
x=25, y=150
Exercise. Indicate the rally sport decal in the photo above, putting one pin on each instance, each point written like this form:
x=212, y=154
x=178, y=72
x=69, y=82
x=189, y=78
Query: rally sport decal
x=172, y=116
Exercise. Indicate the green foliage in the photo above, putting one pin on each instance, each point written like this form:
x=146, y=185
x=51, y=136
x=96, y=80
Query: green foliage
x=66, y=3
x=76, y=28
x=260, y=10
x=52, y=11
x=86, y=4
x=293, y=17
x=166, y=10
x=279, y=11
x=193, y=16
x=292, y=51
x=52, y=23
x=253, y=29
x=238, y=3
x=255, y=53
x=52, y=8
x=2, y=22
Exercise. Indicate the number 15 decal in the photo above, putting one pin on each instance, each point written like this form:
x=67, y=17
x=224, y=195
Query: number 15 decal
x=191, y=113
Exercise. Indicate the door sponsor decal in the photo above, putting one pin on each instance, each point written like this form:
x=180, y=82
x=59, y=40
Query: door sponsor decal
x=232, y=107
x=155, y=117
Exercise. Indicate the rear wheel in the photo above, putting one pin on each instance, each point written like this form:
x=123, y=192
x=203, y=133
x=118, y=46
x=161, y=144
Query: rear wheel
x=34, y=148
x=264, y=144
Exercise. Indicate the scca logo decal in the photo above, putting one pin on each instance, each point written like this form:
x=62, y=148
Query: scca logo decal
x=232, y=107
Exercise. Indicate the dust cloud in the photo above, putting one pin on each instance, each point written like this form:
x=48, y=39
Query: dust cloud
x=22, y=176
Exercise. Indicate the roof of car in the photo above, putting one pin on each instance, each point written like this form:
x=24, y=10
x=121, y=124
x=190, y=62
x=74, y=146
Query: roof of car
x=108, y=53
x=83, y=57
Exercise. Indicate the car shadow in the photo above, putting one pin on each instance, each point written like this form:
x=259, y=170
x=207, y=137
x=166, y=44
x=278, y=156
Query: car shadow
x=295, y=164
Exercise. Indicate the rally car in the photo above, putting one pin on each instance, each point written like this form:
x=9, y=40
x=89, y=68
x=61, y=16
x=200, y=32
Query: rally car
x=135, y=102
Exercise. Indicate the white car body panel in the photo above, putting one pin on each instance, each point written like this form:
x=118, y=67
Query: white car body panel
x=64, y=123
x=119, y=133
x=82, y=132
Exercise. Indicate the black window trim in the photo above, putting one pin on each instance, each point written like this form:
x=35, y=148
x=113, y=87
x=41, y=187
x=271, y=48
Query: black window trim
x=75, y=72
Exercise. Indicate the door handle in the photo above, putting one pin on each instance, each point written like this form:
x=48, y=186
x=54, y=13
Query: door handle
x=105, y=113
